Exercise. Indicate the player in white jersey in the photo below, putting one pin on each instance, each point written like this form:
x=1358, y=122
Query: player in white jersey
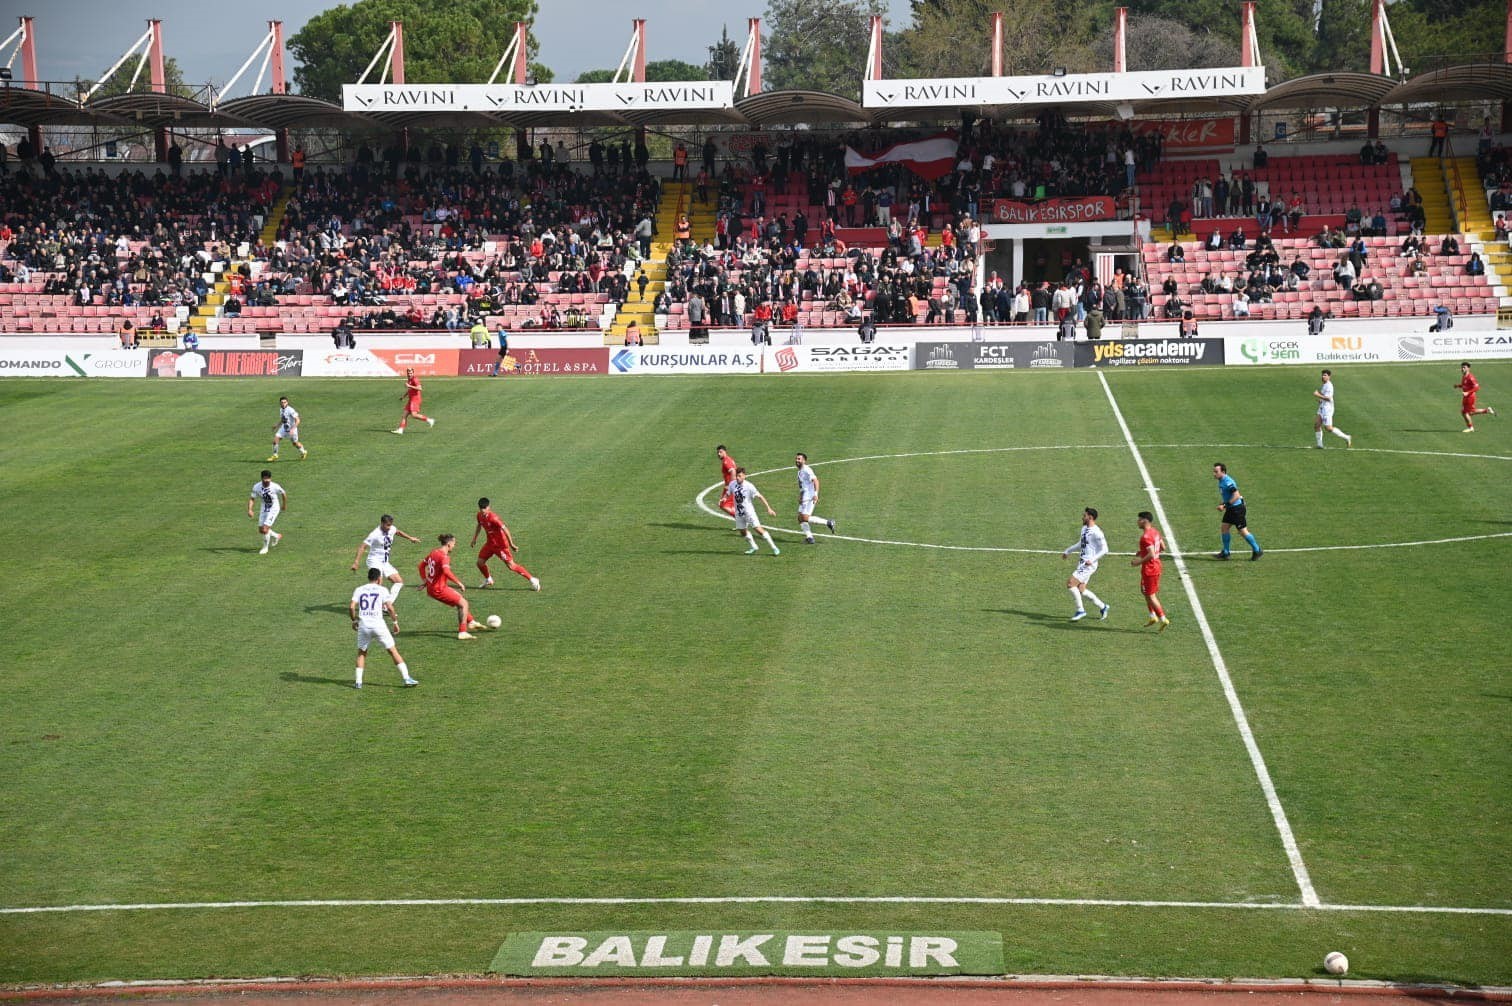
x=380, y=549
x=1091, y=546
x=288, y=426
x=1324, y=419
x=370, y=602
x=745, y=495
x=808, y=495
x=271, y=500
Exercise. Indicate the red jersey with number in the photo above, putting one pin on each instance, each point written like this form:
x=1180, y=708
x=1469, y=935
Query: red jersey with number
x=1152, y=544
x=727, y=468
x=1469, y=385
x=493, y=528
x=435, y=569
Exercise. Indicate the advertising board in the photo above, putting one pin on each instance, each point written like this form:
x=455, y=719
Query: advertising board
x=992, y=355
x=225, y=363
x=651, y=360
x=838, y=359
x=533, y=362
x=60, y=363
x=1150, y=353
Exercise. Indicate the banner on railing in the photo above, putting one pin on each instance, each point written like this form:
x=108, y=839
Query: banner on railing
x=1051, y=211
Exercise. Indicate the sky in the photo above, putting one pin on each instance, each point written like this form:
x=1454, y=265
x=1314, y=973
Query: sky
x=81, y=38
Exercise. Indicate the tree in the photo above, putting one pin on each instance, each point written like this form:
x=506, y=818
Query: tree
x=1159, y=43
x=1435, y=33
x=953, y=38
x=1284, y=27
x=657, y=71
x=1343, y=39
x=724, y=57
x=173, y=76
x=452, y=42
x=818, y=45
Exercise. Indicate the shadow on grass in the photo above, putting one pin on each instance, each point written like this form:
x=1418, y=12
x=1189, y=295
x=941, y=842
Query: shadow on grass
x=691, y=527
x=1061, y=621
x=331, y=609
x=704, y=551
x=244, y=550
x=307, y=679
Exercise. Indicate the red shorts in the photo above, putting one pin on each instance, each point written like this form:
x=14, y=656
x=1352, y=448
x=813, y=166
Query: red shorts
x=1467, y=402
x=490, y=550
x=1149, y=582
x=445, y=595
x=413, y=405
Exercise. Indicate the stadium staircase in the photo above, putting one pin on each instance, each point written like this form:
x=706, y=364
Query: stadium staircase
x=211, y=307
x=1430, y=178
x=1468, y=193
x=638, y=306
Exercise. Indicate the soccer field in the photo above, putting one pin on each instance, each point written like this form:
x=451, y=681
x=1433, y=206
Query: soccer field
x=897, y=729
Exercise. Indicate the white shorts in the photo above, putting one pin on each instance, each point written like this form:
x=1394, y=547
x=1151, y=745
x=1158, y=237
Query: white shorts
x=384, y=568
x=1084, y=571
x=745, y=518
x=284, y=431
x=806, y=505
x=1325, y=413
x=366, y=634
x=269, y=515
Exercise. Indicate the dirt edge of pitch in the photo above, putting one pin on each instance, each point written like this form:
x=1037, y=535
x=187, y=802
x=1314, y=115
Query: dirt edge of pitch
x=240, y=987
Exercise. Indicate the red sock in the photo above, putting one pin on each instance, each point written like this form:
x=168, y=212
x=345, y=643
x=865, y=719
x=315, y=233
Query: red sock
x=423, y=419
x=517, y=568
x=483, y=568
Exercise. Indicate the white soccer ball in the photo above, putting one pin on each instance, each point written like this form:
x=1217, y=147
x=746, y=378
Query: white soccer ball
x=494, y=621
x=1336, y=963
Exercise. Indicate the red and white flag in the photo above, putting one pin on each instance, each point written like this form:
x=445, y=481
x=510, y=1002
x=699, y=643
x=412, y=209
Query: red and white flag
x=930, y=158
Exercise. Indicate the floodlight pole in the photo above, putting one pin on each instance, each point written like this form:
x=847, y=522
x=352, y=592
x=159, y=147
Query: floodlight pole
x=997, y=43
x=753, y=71
x=874, y=50
x=1247, y=57
x=29, y=77
x=1120, y=39
x=396, y=71
x=1506, y=116
x=159, y=83
x=280, y=85
x=1377, y=62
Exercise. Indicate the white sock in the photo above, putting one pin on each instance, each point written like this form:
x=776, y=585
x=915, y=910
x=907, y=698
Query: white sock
x=1340, y=433
x=1096, y=601
x=1319, y=437
x=804, y=527
x=768, y=536
x=359, y=675
x=1076, y=599
x=394, y=592
x=268, y=538
x=750, y=540
x=403, y=671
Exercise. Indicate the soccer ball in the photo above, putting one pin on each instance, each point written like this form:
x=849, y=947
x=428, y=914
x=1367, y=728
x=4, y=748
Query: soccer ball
x=494, y=621
x=1336, y=963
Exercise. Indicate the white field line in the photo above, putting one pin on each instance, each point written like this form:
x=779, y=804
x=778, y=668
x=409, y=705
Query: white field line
x=1278, y=813
x=750, y=900
x=699, y=500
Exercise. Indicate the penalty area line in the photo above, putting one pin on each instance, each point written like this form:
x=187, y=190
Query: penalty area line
x=753, y=900
x=1241, y=720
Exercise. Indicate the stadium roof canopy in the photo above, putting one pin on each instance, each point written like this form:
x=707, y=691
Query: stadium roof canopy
x=28, y=107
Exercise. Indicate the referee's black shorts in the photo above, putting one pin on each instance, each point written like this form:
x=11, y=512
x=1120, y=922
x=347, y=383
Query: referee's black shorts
x=1234, y=516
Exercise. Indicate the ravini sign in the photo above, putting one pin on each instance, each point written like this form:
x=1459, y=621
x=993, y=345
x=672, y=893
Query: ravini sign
x=700, y=94
x=1140, y=85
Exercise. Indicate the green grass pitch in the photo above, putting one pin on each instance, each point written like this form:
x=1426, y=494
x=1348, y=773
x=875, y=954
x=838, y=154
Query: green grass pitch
x=672, y=718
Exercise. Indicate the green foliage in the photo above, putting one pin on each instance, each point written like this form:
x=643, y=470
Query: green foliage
x=952, y=38
x=724, y=57
x=1343, y=41
x=460, y=41
x=1436, y=33
x=818, y=45
x=173, y=77
x=657, y=71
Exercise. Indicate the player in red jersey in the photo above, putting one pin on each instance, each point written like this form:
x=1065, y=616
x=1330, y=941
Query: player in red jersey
x=435, y=570
x=727, y=468
x=1468, y=386
x=411, y=401
x=1151, y=544
x=497, y=542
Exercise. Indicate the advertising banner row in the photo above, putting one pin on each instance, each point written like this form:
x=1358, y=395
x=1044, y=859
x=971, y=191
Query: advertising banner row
x=1171, y=352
